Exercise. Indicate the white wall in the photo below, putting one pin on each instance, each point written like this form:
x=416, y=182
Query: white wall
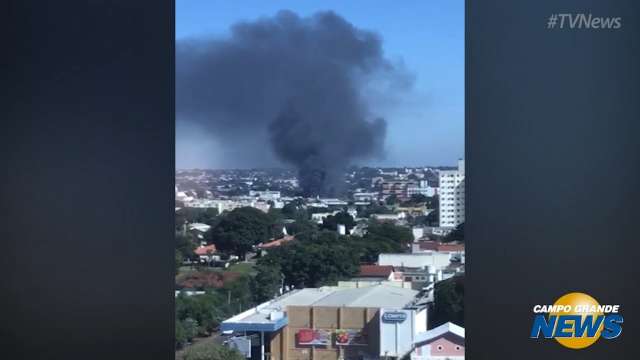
x=396, y=339
x=420, y=260
x=452, y=195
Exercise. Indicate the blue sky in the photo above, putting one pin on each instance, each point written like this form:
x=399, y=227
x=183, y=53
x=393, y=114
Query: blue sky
x=426, y=127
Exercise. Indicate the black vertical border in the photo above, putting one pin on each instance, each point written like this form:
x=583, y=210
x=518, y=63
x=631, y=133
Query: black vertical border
x=553, y=166
x=87, y=150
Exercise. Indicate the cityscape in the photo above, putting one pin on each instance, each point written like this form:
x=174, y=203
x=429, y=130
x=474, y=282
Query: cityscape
x=287, y=272
x=320, y=182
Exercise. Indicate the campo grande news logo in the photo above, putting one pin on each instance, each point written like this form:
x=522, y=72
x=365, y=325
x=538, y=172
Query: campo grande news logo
x=576, y=320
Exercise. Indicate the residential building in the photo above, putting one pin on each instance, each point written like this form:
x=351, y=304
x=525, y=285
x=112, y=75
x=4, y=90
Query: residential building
x=360, y=283
x=438, y=231
x=365, y=196
x=452, y=195
x=265, y=195
x=418, y=233
x=377, y=272
x=397, y=188
x=326, y=202
x=207, y=253
x=389, y=217
x=223, y=205
x=319, y=217
x=433, y=259
x=443, y=342
x=427, y=246
x=425, y=190
x=264, y=247
x=199, y=227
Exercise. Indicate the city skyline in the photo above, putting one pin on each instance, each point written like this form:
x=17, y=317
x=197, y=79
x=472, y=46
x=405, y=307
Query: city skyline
x=419, y=166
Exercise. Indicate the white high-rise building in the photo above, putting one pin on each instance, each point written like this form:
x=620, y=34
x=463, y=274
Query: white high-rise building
x=452, y=196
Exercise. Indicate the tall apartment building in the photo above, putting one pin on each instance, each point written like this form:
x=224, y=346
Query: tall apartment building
x=452, y=196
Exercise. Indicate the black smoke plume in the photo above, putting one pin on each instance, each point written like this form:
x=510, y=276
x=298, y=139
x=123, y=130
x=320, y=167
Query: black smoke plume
x=292, y=86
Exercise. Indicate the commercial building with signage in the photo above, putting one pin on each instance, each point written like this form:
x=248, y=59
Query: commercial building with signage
x=331, y=323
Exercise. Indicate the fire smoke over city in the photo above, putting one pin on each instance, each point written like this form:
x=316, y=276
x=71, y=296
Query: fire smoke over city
x=293, y=86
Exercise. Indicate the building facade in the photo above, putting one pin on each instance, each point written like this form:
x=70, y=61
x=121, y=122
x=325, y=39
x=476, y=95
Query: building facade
x=398, y=188
x=333, y=323
x=446, y=342
x=452, y=196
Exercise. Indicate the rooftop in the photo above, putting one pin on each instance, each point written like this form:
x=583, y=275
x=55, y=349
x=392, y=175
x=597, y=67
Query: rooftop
x=439, y=246
x=373, y=296
x=262, y=318
x=205, y=250
x=199, y=226
x=276, y=243
x=448, y=328
x=375, y=271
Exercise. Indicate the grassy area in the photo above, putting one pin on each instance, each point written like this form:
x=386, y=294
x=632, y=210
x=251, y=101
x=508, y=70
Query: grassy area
x=242, y=267
x=186, y=269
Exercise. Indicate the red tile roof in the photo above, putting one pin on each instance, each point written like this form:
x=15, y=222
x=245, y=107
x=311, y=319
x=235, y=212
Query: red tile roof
x=438, y=246
x=205, y=250
x=276, y=243
x=375, y=270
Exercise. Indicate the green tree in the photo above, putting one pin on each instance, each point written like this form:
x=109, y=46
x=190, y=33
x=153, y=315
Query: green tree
x=399, y=235
x=212, y=352
x=449, y=301
x=456, y=234
x=185, y=245
x=433, y=218
x=370, y=246
x=301, y=226
x=239, y=230
x=191, y=328
x=432, y=202
x=294, y=209
x=266, y=284
x=238, y=294
x=178, y=261
x=331, y=222
x=315, y=259
x=206, y=310
x=181, y=334
x=207, y=216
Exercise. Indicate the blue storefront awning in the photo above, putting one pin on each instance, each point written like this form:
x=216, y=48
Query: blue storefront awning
x=269, y=326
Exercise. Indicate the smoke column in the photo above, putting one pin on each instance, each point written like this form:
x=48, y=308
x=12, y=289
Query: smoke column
x=292, y=86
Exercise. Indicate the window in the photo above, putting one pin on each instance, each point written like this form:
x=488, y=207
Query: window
x=439, y=348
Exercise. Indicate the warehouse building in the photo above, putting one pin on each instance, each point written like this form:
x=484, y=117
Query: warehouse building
x=331, y=323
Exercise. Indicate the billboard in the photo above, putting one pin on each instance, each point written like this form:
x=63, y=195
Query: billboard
x=313, y=337
x=349, y=337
